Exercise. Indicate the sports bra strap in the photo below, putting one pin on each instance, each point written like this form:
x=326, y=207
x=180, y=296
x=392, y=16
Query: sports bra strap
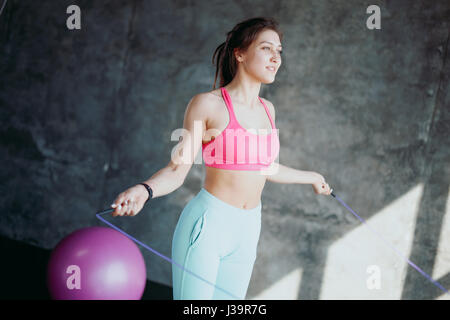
x=229, y=105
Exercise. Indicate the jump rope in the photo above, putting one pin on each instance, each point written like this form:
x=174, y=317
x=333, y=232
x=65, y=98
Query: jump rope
x=403, y=256
x=192, y=273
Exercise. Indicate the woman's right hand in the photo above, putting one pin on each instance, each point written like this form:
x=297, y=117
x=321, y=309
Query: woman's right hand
x=130, y=202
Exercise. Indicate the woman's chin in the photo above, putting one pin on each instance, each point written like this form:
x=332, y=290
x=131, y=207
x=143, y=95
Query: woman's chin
x=268, y=80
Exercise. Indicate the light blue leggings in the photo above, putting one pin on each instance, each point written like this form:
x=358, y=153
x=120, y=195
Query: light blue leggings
x=216, y=242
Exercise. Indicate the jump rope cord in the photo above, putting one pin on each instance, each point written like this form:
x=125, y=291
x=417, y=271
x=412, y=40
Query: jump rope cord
x=336, y=197
x=391, y=246
x=157, y=253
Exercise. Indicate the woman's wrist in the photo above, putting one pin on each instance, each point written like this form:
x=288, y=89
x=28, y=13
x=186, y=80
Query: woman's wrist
x=148, y=190
x=316, y=177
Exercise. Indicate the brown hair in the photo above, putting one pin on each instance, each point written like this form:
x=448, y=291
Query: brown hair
x=240, y=37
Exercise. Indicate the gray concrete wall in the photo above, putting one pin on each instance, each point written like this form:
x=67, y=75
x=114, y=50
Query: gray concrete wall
x=87, y=113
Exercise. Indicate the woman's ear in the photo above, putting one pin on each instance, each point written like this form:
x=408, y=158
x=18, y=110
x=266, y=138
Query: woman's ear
x=238, y=55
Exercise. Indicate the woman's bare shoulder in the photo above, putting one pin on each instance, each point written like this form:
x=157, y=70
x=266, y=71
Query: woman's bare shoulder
x=214, y=94
x=208, y=99
x=203, y=104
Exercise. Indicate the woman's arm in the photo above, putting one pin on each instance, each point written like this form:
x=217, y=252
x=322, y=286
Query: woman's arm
x=172, y=176
x=283, y=174
x=290, y=175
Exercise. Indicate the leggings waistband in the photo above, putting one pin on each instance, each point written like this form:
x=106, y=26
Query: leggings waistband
x=210, y=199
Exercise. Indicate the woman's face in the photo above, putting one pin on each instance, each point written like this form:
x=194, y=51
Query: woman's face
x=263, y=53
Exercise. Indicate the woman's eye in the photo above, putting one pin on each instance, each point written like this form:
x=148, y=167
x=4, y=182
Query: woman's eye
x=280, y=52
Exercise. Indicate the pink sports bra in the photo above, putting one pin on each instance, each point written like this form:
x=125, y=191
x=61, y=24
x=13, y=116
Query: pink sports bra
x=237, y=148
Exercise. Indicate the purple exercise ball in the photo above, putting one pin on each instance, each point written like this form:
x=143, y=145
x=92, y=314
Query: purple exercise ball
x=96, y=263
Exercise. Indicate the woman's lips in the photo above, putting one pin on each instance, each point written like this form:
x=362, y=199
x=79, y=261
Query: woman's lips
x=271, y=69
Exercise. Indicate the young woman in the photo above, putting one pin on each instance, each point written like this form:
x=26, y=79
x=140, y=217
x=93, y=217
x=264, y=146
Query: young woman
x=217, y=233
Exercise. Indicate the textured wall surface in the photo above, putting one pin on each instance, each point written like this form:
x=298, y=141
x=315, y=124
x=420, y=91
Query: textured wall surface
x=87, y=113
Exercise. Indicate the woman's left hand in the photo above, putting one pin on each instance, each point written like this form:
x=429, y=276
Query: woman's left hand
x=320, y=186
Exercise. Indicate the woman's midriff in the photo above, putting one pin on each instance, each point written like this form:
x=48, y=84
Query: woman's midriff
x=241, y=189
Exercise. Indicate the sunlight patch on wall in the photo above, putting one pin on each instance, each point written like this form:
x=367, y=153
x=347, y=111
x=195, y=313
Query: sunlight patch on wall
x=442, y=263
x=360, y=265
x=444, y=296
x=287, y=288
